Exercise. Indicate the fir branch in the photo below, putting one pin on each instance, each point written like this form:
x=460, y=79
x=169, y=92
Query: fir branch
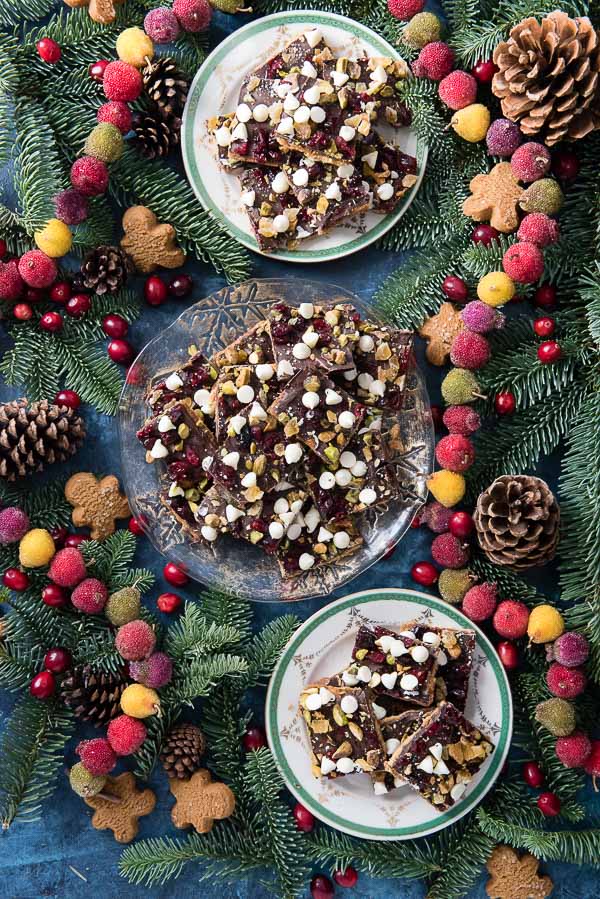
x=520, y=371
x=406, y=859
x=192, y=636
x=32, y=362
x=228, y=610
x=265, y=648
x=35, y=624
x=109, y=559
x=511, y=585
x=18, y=665
x=32, y=749
x=87, y=370
x=146, y=758
x=224, y=724
x=462, y=865
x=98, y=650
x=579, y=847
x=38, y=166
x=46, y=506
x=197, y=677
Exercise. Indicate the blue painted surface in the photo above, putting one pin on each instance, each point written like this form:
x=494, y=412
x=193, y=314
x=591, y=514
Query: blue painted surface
x=35, y=858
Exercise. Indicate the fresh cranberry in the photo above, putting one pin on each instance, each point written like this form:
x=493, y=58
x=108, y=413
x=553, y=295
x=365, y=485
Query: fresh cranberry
x=76, y=539
x=155, y=291
x=545, y=296
x=114, y=325
x=180, y=286
x=57, y=660
x=532, y=774
x=549, y=804
x=461, y=525
x=305, y=820
x=78, y=305
x=43, y=685
x=505, y=403
x=175, y=575
x=15, y=579
x=484, y=234
x=321, y=887
x=254, y=738
x=33, y=295
x=545, y=326
x=52, y=322
x=67, y=398
x=60, y=292
x=484, y=70
x=59, y=535
x=346, y=877
x=169, y=602
x=424, y=573
x=54, y=596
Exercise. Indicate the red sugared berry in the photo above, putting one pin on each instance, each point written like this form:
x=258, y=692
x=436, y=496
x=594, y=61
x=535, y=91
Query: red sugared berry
x=169, y=602
x=455, y=288
x=15, y=579
x=78, y=305
x=544, y=327
x=60, y=292
x=545, y=296
x=67, y=398
x=22, y=312
x=57, y=660
x=52, y=322
x=305, y=820
x=121, y=352
x=484, y=234
x=49, y=50
x=532, y=775
x=461, y=525
x=321, y=887
x=509, y=655
x=54, y=596
x=549, y=804
x=549, y=352
x=254, y=738
x=565, y=165
x=155, y=291
x=135, y=526
x=180, y=286
x=75, y=540
x=505, y=403
x=511, y=618
x=175, y=575
x=484, y=70
x=424, y=573
x=114, y=325
x=43, y=685
x=346, y=878
x=97, y=69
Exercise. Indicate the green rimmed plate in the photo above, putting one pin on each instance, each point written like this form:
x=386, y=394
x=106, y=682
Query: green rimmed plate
x=323, y=646
x=215, y=90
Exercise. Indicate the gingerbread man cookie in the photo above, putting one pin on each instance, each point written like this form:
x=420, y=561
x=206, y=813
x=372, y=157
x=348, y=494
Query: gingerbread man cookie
x=119, y=807
x=97, y=503
x=200, y=802
x=494, y=198
x=101, y=11
x=515, y=878
x=439, y=331
x=149, y=243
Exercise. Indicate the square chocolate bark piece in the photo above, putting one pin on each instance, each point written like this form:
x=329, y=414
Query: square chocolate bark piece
x=342, y=730
x=240, y=142
x=273, y=212
x=308, y=547
x=179, y=437
x=197, y=374
x=182, y=509
x=307, y=47
x=253, y=347
x=394, y=729
x=454, y=653
x=360, y=479
x=373, y=85
x=388, y=171
x=382, y=357
x=394, y=667
x=313, y=410
x=441, y=757
x=309, y=334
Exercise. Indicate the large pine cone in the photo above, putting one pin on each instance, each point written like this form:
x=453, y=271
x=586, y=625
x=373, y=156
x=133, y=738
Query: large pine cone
x=155, y=135
x=94, y=696
x=166, y=86
x=35, y=435
x=105, y=269
x=182, y=751
x=549, y=77
x=517, y=520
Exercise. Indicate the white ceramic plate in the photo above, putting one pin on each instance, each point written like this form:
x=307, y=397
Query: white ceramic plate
x=215, y=91
x=323, y=646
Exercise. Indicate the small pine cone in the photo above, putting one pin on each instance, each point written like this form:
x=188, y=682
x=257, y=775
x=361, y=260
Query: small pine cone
x=105, y=269
x=182, y=751
x=156, y=135
x=94, y=696
x=34, y=435
x=517, y=521
x=166, y=86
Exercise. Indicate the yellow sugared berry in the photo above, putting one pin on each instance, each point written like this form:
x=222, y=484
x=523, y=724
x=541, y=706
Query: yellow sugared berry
x=545, y=624
x=448, y=487
x=495, y=289
x=36, y=548
x=135, y=47
x=138, y=701
x=472, y=122
x=55, y=239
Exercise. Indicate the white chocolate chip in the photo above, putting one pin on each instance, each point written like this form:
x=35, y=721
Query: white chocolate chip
x=345, y=766
x=347, y=459
x=389, y=680
x=347, y=132
x=310, y=399
x=243, y=113
x=202, y=398
x=341, y=539
x=349, y=704
x=426, y=765
x=339, y=78
x=436, y=750
x=280, y=183
x=159, y=450
x=281, y=223
x=377, y=388
x=209, y=533
x=284, y=369
x=306, y=562
x=300, y=179
x=441, y=658
x=359, y=469
x=370, y=159
x=333, y=192
x=410, y=634
x=408, y=682
x=265, y=371
x=397, y=648
x=431, y=638
x=260, y=112
x=419, y=654
x=308, y=69
x=332, y=398
x=318, y=114
x=343, y=477
x=365, y=380
x=165, y=424
x=324, y=536
x=223, y=136
x=245, y=394
x=367, y=496
x=300, y=351
x=281, y=505
x=391, y=745
x=345, y=171
x=313, y=37
x=231, y=459
x=346, y=419
x=378, y=711
x=249, y=480
x=385, y=642
x=237, y=422
x=306, y=310
x=349, y=679
x=293, y=453
x=441, y=768
x=294, y=531
x=457, y=791
x=302, y=115
x=385, y=191
x=291, y=103
x=313, y=702
x=173, y=382
x=257, y=413
x=310, y=338
x=366, y=343
x=276, y=530
x=312, y=94
x=248, y=197
x=327, y=765
x=312, y=519
x=286, y=126
x=176, y=490
x=240, y=132
x=232, y=514
x=207, y=462
x=327, y=480
x=364, y=673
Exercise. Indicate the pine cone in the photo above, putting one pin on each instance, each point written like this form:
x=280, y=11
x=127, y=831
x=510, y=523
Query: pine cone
x=517, y=520
x=35, y=435
x=182, y=751
x=549, y=77
x=156, y=135
x=105, y=269
x=166, y=86
x=93, y=695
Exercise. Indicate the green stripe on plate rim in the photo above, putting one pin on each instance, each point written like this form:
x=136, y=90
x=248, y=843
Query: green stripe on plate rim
x=198, y=85
x=359, y=599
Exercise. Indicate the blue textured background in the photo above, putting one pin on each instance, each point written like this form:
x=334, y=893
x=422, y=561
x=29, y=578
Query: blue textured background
x=35, y=858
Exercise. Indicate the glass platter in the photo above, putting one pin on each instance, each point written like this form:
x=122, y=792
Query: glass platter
x=235, y=565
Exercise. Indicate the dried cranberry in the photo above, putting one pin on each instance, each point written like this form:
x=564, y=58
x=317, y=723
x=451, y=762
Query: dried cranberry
x=257, y=524
x=280, y=332
x=270, y=440
x=345, y=148
x=275, y=65
x=192, y=456
x=179, y=471
x=242, y=148
x=198, y=378
x=145, y=433
x=257, y=434
x=282, y=309
x=290, y=563
x=377, y=657
x=319, y=139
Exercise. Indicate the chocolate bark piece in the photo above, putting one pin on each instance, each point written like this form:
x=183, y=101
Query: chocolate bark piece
x=374, y=81
x=179, y=437
x=241, y=142
x=197, y=374
x=333, y=139
x=388, y=171
x=274, y=215
x=394, y=729
x=397, y=667
x=342, y=730
x=253, y=347
x=442, y=756
x=220, y=127
x=182, y=504
x=454, y=653
x=309, y=334
x=308, y=46
x=326, y=195
x=382, y=357
x=238, y=386
x=306, y=547
x=312, y=409
x=360, y=479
